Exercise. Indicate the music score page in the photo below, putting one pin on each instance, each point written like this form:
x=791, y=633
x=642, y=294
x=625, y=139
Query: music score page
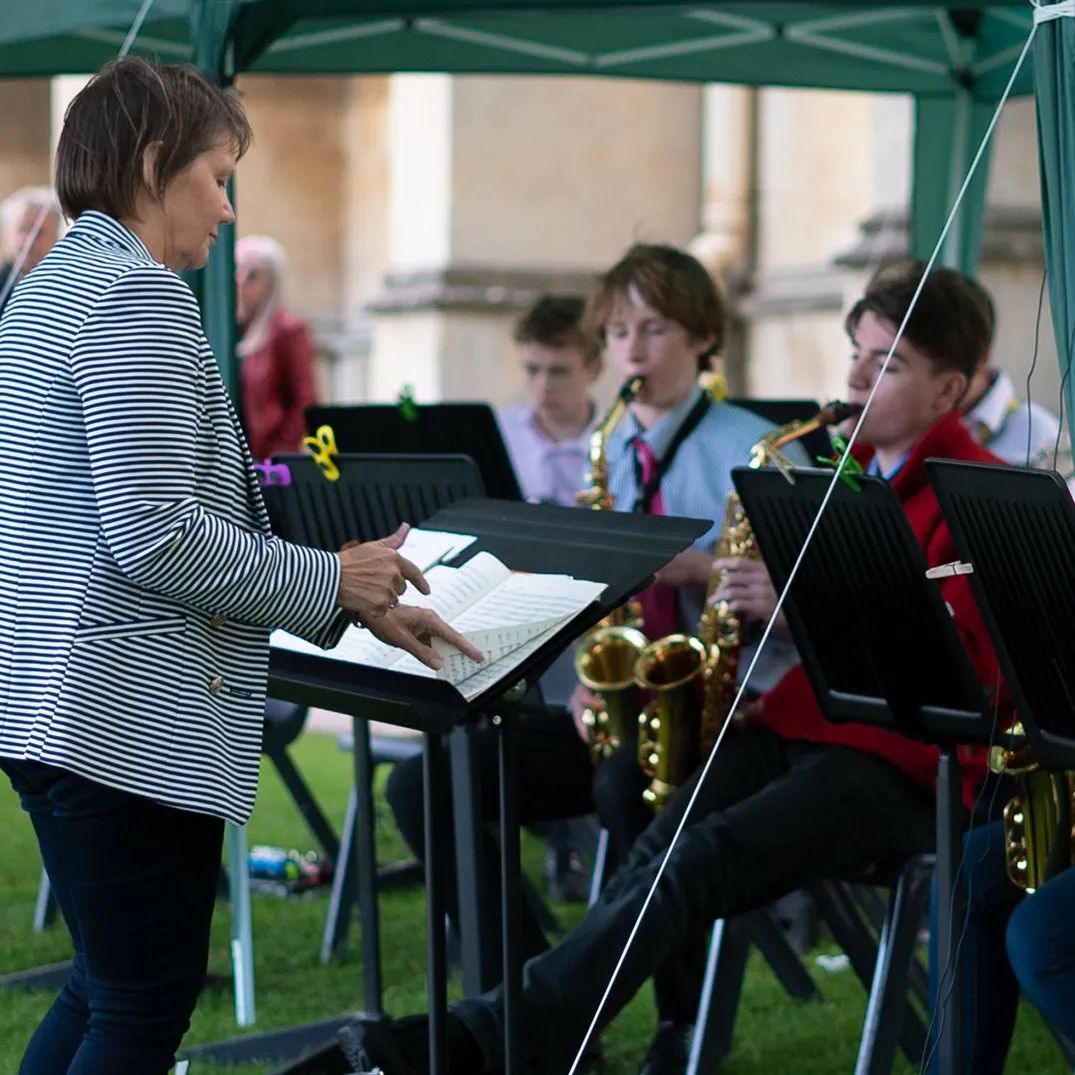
x=507, y=616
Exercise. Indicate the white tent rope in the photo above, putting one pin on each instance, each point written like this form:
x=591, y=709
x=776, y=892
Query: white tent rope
x=1047, y=12
x=806, y=544
x=39, y=221
x=132, y=33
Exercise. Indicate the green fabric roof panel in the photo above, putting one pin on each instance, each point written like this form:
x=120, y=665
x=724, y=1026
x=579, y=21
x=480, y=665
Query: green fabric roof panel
x=895, y=47
x=852, y=45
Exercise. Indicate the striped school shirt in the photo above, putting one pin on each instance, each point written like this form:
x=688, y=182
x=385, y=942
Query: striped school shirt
x=697, y=485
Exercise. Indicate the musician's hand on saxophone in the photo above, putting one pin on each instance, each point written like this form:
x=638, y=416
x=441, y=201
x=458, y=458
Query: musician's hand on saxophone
x=746, y=586
x=690, y=568
x=582, y=698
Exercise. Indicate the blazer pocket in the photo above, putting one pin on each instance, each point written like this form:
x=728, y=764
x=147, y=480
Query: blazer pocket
x=143, y=628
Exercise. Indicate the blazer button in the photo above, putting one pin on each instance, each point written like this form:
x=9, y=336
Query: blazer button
x=216, y=685
x=218, y=619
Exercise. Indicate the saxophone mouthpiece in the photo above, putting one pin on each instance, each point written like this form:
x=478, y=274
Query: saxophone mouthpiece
x=631, y=388
x=836, y=411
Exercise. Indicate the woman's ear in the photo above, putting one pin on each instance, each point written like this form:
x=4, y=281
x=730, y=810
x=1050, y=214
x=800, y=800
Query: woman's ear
x=149, y=168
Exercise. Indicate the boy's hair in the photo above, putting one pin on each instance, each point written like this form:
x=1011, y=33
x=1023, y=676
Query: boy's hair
x=952, y=320
x=673, y=283
x=557, y=321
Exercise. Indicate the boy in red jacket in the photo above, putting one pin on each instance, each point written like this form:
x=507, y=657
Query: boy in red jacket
x=789, y=797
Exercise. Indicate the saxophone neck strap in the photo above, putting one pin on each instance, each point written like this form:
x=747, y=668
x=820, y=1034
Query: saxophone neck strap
x=648, y=490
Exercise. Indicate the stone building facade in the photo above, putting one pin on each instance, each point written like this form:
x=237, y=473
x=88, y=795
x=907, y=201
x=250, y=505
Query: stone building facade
x=420, y=213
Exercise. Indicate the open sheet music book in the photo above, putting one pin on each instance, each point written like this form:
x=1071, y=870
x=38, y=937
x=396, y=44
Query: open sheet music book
x=506, y=615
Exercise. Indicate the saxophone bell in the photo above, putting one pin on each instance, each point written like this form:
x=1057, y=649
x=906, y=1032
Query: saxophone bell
x=694, y=686
x=673, y=670
x=605, y=665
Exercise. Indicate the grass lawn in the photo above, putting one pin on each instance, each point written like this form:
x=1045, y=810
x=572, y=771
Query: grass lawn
x=774, y=1034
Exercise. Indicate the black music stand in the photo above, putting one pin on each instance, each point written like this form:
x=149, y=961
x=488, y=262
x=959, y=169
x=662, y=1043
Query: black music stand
x=1016, y=527
x=621, y=550
x=859, y=596
x=425, y=429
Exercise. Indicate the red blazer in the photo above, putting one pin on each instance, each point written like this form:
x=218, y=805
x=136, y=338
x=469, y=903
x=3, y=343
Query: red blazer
x=277, y=385
x=791, y=709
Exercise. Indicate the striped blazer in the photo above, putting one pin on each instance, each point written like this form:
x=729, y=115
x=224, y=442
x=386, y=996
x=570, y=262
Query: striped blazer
x=138, y=575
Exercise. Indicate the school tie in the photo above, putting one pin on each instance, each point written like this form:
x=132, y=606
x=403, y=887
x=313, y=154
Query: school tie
x=658, y=602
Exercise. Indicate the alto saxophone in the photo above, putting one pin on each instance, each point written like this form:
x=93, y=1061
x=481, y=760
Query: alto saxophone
x=606, y=656
x=692, y=680
x=1038, y=838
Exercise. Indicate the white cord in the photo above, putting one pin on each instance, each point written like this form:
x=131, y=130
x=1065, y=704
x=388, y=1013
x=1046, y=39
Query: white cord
x=806, y=544
x=1047, y=12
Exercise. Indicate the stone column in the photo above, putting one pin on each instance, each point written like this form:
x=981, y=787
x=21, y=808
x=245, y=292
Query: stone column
x=1012, y=254
x=502, y=188
x=24, y=134
x=817, y=166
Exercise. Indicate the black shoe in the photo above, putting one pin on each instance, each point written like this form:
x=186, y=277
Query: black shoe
x=401, y=1047
x=566, y=880
x=383, y=1048
x=669, y=1050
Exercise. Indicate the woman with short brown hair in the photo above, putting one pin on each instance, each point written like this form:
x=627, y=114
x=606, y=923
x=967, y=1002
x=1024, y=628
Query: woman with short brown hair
x=139, y=579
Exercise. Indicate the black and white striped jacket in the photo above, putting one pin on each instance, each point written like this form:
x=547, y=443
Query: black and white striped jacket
x=138, y=575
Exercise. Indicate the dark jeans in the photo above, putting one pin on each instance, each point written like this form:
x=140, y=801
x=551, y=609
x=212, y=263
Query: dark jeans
x=135, y=882
x=555, y=781
x=618, y=786
x=773, y=815
x=1041, y=947
x=988, y=989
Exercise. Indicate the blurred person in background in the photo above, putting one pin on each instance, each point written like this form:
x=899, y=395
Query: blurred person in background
x=548, y=439
x=548, y=436
x=275, y=350
x=28, y=211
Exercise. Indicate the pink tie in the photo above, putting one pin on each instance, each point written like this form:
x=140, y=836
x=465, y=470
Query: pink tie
x=658, y=602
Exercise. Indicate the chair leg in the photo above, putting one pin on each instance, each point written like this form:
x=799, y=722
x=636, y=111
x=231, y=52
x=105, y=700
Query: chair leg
x=305, y=801
x=718, y=1005
x=848, y=929
x=344, y=887
x=242, y=933
x=883, y=1026
x=769, y=939
x=1067, y=1049
x=600, y=864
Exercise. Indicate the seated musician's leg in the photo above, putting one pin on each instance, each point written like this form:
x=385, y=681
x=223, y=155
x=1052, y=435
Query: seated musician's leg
x=555, y=781
x=617, y=790
x=989, y=991
x=1041, y=946
x=795, y=811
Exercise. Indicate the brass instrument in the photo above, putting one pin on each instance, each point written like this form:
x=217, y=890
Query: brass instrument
x=1039, y=841
x=597, y=495
x=606, y=656
x=693, y=680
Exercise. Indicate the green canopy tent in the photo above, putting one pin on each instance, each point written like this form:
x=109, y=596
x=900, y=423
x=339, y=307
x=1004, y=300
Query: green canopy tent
x=1054, y=62
x=955, y=58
